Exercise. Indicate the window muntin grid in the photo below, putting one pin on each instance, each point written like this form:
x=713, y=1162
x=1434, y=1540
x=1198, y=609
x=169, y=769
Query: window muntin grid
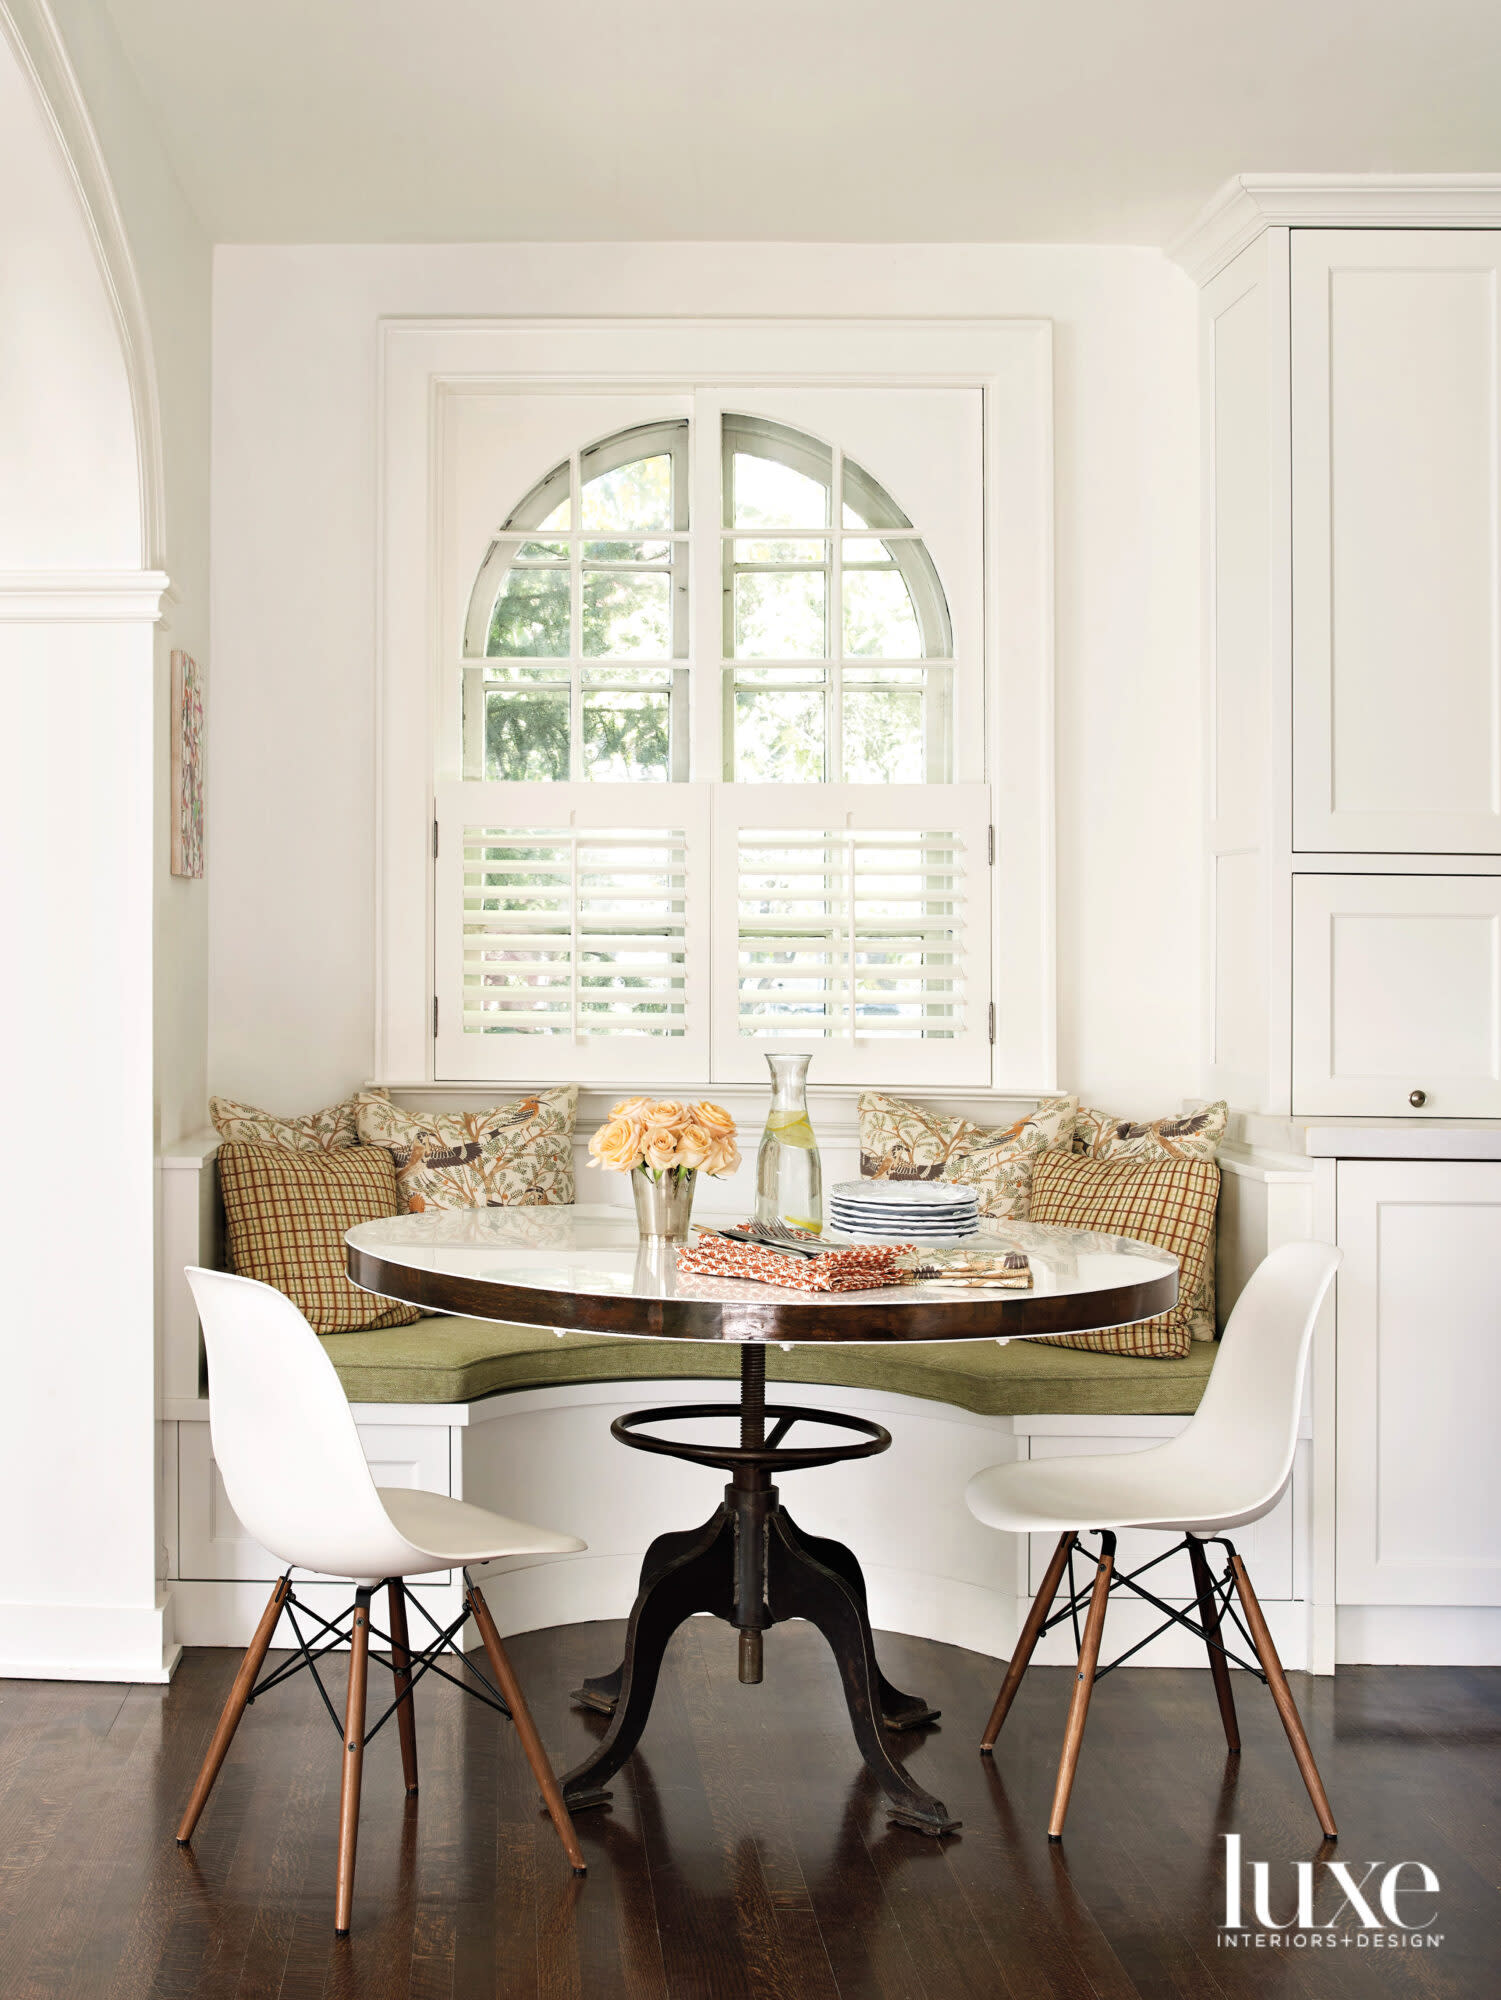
x=836, y=657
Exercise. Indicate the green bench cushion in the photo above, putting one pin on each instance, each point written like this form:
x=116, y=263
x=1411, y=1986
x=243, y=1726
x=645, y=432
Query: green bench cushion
x=442, y=1360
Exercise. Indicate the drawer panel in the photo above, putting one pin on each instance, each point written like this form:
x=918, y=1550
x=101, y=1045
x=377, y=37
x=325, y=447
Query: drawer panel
x=1397, y=992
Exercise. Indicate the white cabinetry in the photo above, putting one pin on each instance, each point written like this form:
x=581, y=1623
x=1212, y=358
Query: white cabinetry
x=1352, y=439
x=1396, y=548
x=1418, y=1507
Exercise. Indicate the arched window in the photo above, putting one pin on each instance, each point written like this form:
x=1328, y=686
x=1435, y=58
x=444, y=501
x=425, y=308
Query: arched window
x=708, y=730
x=834, y=648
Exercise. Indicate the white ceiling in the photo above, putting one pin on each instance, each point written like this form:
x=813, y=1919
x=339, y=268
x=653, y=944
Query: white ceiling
x=839, y=120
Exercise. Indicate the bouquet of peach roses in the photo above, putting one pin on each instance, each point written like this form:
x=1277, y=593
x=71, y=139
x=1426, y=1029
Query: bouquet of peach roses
x=666, y=1137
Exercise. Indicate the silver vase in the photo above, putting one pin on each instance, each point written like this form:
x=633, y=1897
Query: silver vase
x=664, y=1205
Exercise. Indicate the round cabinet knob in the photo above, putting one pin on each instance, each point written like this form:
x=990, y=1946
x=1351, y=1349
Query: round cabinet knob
x=1417, y=1099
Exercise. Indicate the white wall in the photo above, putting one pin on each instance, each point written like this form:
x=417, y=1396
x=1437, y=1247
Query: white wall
x=290, y=792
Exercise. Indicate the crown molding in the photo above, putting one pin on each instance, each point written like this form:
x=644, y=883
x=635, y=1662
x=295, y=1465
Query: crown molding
x=1249, y=203
x=86, y=596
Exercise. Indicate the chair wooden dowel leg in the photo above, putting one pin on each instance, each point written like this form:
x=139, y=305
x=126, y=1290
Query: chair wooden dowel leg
x=354, y=1761
x=1209, y=1618
x=1026, y=1643
x=526, y=1729
x=234, y=1708
x=1078, y=1710
x=401, y=1675
x=1287, y=1708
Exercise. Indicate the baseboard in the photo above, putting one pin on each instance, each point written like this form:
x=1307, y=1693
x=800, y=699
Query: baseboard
x=1417, y=1635
x=90, y=1642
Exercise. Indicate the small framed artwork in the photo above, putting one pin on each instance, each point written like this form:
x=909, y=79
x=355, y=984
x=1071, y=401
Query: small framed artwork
x=187, y=766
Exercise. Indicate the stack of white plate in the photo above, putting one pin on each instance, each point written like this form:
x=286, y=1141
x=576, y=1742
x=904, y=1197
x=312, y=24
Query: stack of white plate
x=933, y=1211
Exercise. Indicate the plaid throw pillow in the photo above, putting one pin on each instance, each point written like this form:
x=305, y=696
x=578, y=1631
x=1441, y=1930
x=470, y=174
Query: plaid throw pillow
x=1170, y=1203
x=900, y=1141
x=287, y=1212
x=1193, y=1135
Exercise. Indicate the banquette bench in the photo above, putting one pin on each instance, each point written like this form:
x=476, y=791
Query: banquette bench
x=517, y=1418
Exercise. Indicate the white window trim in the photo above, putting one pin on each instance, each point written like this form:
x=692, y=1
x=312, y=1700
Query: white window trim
x=1009, y=361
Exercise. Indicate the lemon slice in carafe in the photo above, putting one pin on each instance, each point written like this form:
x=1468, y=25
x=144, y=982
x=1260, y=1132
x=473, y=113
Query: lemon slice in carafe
x=792, y=1129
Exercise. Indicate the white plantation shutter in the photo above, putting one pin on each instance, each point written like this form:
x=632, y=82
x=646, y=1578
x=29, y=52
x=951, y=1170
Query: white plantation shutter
x=854, y=921
x=571, y=928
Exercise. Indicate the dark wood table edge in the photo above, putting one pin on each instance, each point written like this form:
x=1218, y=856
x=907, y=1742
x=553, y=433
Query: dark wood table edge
x=880, y=1320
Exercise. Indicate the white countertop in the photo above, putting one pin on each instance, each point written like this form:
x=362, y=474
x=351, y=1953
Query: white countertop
x=1417, y=1139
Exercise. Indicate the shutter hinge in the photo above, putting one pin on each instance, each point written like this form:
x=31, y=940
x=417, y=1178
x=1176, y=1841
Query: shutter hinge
x=435, y=840
x=992, y=1019
x=435, y=1019
x=989, y=844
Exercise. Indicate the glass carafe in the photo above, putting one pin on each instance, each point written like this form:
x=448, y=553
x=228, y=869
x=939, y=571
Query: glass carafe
x=789, y=1178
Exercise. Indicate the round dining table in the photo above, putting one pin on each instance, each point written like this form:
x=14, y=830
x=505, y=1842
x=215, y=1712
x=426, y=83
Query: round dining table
x=585, y=1269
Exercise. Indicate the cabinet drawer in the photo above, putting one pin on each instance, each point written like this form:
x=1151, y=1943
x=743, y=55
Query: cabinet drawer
x=214, y=1546
x=1397, y=990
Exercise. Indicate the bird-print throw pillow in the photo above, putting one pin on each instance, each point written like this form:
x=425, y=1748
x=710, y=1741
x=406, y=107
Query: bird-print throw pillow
x=519, y=1153
x=324, y=1131
x=902, y=1141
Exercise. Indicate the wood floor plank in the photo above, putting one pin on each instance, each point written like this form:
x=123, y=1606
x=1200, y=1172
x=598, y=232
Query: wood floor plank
x=747, y=1855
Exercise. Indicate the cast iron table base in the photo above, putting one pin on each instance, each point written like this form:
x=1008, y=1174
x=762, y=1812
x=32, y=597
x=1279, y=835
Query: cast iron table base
x=751, y=1565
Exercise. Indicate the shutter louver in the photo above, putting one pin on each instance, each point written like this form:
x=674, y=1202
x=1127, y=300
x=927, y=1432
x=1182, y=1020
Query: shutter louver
x=851, y=934
x=574, y=932
x=863, y=935
x=572, y=942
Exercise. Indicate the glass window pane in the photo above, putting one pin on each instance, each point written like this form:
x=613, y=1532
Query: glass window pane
x=627, y=552
x=560, y=517
x=627, y=616
x=778, y=614
x=883, y=736
x=766, y=494
x=806, y=553
x=779, y=736
x=531, y=620
x=544, y=552
x=879, y=621
x=526, y=733
x=634, y=497
x=626, y=736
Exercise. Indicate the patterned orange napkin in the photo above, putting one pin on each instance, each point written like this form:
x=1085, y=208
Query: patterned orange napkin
x=859, y=1267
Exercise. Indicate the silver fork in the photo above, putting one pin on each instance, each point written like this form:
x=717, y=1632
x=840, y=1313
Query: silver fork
x=778, y=1233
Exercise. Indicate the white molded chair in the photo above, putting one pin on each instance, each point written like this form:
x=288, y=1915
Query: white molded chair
x=289, y=1454
x=1230, y=1465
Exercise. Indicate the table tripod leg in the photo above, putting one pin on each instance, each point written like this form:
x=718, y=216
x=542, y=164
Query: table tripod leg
x=701, y=1579
x=600, y=1692
x=800, y=1586
x=898, y=1710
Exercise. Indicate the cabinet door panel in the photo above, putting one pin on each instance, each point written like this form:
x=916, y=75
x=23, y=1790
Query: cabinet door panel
x=1396, y=541
x=1419, y=1383
x=1397, y=989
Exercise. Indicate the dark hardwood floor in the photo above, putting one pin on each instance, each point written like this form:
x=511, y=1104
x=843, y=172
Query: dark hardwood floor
x=746, y=1852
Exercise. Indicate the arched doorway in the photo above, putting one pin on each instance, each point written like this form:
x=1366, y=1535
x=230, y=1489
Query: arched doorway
x=80, y=593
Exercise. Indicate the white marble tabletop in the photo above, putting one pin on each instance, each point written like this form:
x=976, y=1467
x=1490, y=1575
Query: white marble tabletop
x=530, y=1263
